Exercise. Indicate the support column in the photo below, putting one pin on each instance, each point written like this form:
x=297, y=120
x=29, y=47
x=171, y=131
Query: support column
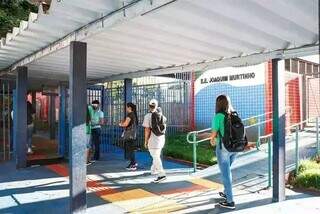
x=52, y=117
x=34, y=105
x=304, y=99
x=20, y=118
x=127, y=93
x=77, y=133
x=62, y=120
x=14, y=121
x=279, y=122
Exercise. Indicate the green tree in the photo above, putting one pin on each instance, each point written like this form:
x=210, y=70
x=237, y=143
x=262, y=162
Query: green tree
x=12, y=12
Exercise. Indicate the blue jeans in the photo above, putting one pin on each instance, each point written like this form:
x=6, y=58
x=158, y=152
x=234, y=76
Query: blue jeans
x=225, y=159
x=96, y=139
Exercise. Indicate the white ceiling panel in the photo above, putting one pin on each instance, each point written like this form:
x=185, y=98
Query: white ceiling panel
x=142, y=36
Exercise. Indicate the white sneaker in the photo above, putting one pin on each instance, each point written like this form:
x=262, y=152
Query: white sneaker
x=30, y=151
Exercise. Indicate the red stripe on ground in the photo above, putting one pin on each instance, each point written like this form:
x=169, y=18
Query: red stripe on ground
x=36, y=157
x=59, y=169
x=96, y=186
x=100, y=189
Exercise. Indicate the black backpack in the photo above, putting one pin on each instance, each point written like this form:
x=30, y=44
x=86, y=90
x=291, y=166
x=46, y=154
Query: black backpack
x=234, y=139
x=158, y=123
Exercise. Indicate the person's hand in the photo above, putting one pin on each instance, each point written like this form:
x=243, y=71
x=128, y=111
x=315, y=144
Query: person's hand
x=248, y=147
x=212, y=141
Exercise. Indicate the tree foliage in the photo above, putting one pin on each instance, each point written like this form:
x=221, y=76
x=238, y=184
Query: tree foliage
x=12, y=12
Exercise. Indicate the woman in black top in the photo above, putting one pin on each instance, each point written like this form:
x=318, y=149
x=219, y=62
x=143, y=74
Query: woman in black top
x=130, y=134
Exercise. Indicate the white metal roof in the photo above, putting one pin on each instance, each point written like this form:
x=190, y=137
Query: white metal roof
x=160, y=35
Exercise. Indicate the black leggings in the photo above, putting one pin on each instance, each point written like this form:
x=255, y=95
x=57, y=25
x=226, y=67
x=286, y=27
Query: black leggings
x=96, y=139
x=130, y=151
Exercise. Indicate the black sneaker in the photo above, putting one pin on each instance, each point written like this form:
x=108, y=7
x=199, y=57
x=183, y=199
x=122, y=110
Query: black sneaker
x=222, y=195
x=132, y=168
x=159, y=179
x=129, y=166
x=227, y=205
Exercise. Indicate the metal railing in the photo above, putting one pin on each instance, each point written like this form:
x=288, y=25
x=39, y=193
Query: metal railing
x=268, y=137
x=295, y=126
x=195, y=142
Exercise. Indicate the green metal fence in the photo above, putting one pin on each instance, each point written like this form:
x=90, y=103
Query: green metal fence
x=192, y=138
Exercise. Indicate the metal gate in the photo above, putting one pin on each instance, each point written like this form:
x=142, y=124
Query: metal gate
x=6, y=146
x=173, y=98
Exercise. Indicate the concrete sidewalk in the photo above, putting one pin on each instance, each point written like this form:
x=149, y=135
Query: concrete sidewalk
x=112, y=189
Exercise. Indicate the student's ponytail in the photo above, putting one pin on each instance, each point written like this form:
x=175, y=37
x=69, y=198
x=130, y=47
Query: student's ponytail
x=134, y=110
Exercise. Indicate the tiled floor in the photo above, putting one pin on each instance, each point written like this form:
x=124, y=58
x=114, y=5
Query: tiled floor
x=112, y=189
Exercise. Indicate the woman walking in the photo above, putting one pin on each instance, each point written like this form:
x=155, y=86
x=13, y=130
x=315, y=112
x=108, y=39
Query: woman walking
x=129, y=136
x=225, y=158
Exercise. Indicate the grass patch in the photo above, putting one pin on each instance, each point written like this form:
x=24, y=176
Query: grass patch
x=308, y=175
x=178, y=147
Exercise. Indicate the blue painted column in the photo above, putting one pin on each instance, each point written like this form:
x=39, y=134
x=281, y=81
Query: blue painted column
x=102, y=98
x=279, y=122
x=20, y=118
x=77, y=132
x=52, y=117
x=62, y=120
x=14, y=121
x=127, y=93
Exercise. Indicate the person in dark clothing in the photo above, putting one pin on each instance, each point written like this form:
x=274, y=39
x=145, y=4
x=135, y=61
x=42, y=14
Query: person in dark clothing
x=30, y=117
x=97, y=120
x=130, y=124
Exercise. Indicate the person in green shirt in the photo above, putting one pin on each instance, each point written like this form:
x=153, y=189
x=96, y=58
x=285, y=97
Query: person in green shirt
x=224, y=157
x=97, y=120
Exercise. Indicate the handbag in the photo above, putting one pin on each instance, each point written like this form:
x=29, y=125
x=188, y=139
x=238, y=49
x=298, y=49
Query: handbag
x=130, y=132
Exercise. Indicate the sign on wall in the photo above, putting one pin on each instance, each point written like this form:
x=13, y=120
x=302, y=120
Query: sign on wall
x=244, y=85
x=235, y=76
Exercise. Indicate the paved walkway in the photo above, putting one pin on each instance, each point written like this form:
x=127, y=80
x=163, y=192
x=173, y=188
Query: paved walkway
x=112, y=189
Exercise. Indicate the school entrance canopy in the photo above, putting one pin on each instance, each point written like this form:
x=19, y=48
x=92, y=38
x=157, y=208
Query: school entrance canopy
x=112, y=39
x=159, y=36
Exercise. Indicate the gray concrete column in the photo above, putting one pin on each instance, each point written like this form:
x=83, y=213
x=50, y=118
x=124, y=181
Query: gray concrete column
x=20, y=117
x=77, y=147
x=279, y=123
x=62, y=120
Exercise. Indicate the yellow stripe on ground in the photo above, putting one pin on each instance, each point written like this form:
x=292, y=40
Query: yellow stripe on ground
x=206, y=183
x=141, y=201
x=127, y=195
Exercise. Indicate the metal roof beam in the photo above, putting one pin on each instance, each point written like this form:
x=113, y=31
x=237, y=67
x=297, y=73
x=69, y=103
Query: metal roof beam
x=102, y=6
x=117, y=17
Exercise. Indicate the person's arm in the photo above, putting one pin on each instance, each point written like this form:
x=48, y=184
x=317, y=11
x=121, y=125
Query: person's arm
x=102, y=120
x=125, y=123
x=213, y=138
x=215, y=128
x=147, y=130
x=147, y=134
